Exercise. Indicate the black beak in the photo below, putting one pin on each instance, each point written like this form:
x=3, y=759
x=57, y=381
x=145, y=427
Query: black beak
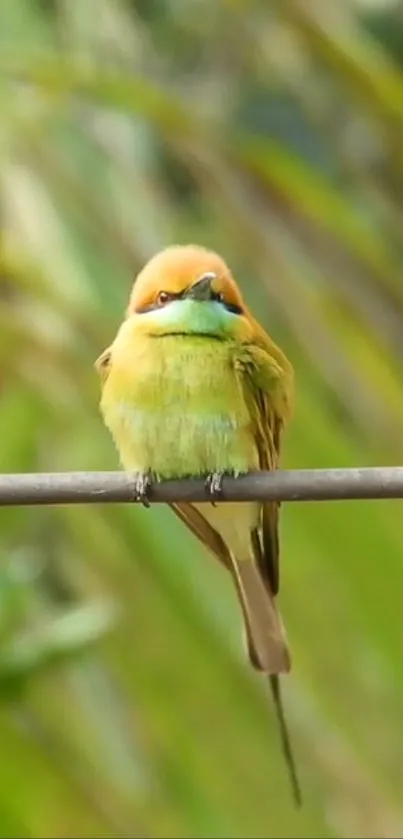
x=201, y=289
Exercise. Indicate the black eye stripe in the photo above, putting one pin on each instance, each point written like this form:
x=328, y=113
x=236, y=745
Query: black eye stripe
x=232, y=307
x=216, y=296
x=155, y=305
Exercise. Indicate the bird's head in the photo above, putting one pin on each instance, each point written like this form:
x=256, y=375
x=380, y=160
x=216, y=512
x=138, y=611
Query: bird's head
x=187, y=290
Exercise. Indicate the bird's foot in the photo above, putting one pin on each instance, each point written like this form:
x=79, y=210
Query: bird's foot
x=214, y=486
x=142, y=486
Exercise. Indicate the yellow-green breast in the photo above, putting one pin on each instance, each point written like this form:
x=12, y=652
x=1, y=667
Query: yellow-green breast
x=175, y=405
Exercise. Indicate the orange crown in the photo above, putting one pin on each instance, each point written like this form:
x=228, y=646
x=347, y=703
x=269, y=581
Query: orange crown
x=176, y=268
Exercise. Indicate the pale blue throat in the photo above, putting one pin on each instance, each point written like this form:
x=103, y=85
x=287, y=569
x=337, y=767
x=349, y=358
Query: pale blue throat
x=189, y=316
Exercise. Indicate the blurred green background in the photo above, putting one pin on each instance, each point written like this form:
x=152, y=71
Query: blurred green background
x=273, y=132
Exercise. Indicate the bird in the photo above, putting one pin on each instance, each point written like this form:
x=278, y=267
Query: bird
x=192, y=385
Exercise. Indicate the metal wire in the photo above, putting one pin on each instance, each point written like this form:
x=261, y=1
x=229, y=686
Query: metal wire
x=282, y=485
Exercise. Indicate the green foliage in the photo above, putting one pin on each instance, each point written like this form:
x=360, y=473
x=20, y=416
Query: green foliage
x=271, y=132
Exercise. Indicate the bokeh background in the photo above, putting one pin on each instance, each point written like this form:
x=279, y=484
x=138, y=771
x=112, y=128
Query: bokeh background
x=273, y=132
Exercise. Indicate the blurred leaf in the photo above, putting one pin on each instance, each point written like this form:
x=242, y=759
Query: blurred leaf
x=271, y=132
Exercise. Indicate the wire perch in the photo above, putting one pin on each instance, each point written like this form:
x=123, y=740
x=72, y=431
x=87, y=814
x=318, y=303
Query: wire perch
x=282, y=485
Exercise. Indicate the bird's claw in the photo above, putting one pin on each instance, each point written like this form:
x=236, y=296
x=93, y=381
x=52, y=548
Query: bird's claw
x=142, y=486
x=214, y=485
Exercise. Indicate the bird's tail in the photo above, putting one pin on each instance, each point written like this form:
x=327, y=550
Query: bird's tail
x=267, y=647
x=285, y=739
x=266, y=641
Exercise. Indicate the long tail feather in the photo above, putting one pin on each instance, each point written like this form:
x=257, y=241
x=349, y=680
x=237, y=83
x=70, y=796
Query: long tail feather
x=265, y=636
x=267, y=649
x=285, y=740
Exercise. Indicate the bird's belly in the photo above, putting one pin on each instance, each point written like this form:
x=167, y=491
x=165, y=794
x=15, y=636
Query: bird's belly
x=185, y=415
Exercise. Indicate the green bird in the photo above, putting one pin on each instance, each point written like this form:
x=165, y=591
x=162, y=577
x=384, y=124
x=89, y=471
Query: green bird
x=193, y=386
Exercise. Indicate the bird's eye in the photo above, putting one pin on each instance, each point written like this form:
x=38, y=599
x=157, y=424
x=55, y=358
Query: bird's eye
x=218, y=296
x=163, y=298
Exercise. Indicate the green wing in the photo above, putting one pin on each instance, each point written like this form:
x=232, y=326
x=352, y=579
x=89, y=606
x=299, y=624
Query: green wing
x=268, y=390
